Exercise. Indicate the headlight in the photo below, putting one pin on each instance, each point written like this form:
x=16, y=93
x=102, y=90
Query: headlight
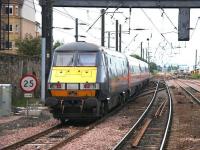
x=90, y=86
x=56, y=86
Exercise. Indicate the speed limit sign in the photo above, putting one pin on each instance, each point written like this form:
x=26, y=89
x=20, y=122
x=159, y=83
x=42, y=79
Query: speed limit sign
x=28, y=83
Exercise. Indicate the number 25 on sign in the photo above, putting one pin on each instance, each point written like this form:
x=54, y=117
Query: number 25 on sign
x=28, y=83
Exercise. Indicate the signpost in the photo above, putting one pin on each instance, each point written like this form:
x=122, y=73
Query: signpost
x=28, y=84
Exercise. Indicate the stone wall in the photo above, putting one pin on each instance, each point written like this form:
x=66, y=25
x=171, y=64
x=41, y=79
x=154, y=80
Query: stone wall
x=13, y=67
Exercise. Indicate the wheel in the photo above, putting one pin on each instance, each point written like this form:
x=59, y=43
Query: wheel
x=63, y=120
x=121, y=99
x=104, y=108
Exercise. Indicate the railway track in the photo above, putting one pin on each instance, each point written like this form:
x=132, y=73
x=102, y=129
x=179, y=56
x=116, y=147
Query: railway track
x=150, y=131
x=193, y=82
x=57, y=136
x=31, y=138
x=190, y=91
x=189, y=85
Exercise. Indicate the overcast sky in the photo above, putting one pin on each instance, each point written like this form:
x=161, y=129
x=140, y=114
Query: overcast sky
x=164, y=50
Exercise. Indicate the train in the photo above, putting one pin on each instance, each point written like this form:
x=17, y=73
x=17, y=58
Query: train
x=87, y=80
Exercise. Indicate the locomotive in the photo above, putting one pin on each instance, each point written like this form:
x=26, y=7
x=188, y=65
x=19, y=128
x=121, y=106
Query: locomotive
x=86, y=80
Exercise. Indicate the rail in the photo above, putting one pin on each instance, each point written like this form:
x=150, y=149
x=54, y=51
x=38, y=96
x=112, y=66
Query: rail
x=169, y=119
x=31, y=138
x=189, y=85
x=189, y=93
x=143, y=129
x=121, y=142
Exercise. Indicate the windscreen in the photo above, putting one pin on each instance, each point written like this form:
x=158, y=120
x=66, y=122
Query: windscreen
x=86, y=59
x=64, y=59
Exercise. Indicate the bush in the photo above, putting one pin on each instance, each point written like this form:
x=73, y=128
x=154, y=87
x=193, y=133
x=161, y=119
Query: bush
x=29, y=46
x=195, y=76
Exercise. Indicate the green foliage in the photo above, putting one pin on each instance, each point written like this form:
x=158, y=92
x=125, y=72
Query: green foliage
x=196, y=76
x=22, y=102
x=152, y=67
x=29, y=46
x=171, y=67
x=57, y=44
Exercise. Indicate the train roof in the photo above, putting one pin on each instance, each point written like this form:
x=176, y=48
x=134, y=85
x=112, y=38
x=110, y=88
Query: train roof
x=134, y=60
x=79, y=46
x=85, y=46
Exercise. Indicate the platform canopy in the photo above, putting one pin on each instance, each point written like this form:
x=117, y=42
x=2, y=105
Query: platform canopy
x=128, y=3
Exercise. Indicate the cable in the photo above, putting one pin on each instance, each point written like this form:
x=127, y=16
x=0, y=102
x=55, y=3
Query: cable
x=130, y=12
x=154, y=25
x=168, y=18
x=96, y=20
x=195, y=27
x=110, y=3
x=133, y=39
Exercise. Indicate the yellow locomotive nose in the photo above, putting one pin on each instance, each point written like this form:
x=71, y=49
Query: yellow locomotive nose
x=73, y=75
x=73, y=81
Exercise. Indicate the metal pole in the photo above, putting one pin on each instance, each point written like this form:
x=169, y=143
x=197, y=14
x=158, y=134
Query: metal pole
x=143, y=53
x=43, y=66
x=8, y=25
x=116, y=38
x=0, y=26
x=102, y=27
x=44, y=69
x=195, y=66
x=120, y=38
x=76, y=30
x=146, y=54
x=108, y=39
x=141, y=50
x=44, y=23
x=148, y=57
x=129, y=29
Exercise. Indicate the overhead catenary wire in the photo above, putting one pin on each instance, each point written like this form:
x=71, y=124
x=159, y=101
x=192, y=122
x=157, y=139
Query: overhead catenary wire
x=169, y=18
x=66, y=14
x=114, y=13
x=96, y=20
x=133, y=39
x=108, y=6
x=154, y=25
x=195, y=28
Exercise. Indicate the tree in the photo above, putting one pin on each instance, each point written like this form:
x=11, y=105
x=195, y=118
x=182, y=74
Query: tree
x=29, y=46
x=152, y=67
x=57, y=44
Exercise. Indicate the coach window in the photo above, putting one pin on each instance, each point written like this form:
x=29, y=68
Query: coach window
x=63, y=59
x=86, y=59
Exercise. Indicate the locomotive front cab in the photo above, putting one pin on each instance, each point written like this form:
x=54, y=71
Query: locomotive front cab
x=73, y=84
